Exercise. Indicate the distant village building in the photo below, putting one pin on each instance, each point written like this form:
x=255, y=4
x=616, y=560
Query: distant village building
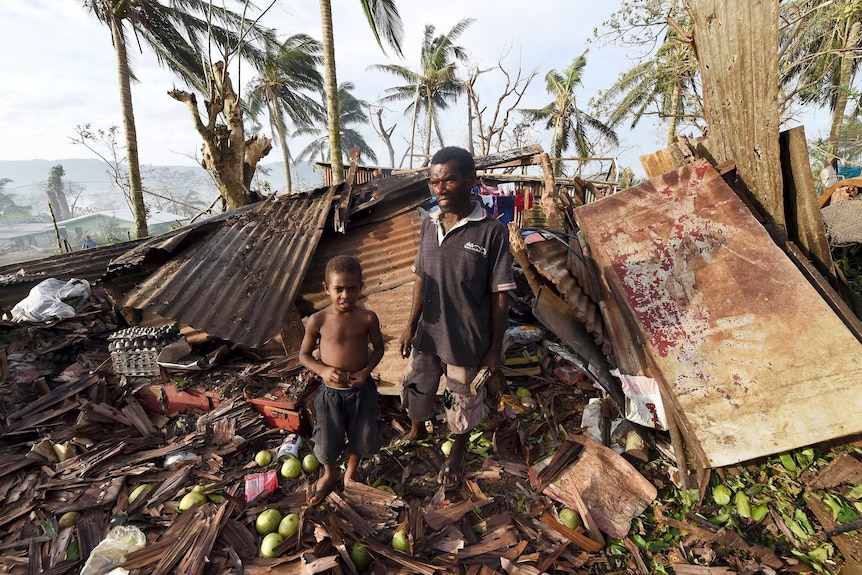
x=104, y=226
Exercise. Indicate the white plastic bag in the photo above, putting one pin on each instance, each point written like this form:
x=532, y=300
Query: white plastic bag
x=643, y=401
x=45, y=300
x=112, y=550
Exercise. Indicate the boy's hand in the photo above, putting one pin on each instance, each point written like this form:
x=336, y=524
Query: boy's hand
x=336, y=377
x=359, y=378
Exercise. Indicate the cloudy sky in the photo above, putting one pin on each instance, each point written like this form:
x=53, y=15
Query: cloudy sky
x=58, y=71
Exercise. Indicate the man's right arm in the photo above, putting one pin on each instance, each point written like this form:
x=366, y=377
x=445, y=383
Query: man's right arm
x=406, y=341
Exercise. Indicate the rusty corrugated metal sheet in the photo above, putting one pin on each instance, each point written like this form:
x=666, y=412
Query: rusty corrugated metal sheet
x=87, y=264
x=550, y=258
x=752, y=360
x=386, y=250
x=239, y=283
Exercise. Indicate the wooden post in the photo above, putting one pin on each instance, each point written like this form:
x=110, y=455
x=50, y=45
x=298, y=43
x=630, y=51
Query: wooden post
x=549, y=195
x=56, y=229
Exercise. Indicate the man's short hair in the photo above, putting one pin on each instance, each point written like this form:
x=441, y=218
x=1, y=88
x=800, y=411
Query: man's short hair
x=462, y=159
x=343, y=265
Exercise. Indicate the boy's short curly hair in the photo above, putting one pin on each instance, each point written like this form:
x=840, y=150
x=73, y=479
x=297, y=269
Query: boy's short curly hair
x=343, y=265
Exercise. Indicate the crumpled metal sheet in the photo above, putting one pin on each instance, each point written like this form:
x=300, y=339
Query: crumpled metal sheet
x=239, y=283
x=751, y=359
x=550, y=259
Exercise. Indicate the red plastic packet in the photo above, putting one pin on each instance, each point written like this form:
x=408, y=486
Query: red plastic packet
x=258, y=484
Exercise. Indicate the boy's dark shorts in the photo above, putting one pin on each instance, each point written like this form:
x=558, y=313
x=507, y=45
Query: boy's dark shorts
x=347, y=418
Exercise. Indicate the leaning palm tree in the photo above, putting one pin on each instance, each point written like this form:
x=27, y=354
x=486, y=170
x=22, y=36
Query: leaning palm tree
x=279, y=88
x=665, y=85
x=383, y=18
x=435, y=85
x=352, y=111
x=568, y=122
x=177, y=31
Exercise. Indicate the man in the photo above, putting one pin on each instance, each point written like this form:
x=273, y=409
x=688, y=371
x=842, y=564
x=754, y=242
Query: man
x=459, y=310
x=88, y=243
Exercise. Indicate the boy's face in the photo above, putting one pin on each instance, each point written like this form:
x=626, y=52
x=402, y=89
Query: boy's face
x=343, y=290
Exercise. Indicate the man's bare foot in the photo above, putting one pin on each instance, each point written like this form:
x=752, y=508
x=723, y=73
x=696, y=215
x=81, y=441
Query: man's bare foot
x=452, y=471
x=417, y=432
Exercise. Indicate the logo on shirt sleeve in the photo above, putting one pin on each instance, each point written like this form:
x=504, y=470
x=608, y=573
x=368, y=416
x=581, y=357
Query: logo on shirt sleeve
x=476, y=248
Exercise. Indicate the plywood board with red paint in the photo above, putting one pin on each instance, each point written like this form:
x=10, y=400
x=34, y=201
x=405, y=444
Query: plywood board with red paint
x=751, y=358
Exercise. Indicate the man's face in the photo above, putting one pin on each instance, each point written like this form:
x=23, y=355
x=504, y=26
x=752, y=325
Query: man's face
x=451, y=188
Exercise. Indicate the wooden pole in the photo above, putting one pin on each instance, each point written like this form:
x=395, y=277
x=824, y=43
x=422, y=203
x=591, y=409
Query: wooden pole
x=56, y=229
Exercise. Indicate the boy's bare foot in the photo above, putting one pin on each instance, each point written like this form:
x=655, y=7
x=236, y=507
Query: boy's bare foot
x=320, y=489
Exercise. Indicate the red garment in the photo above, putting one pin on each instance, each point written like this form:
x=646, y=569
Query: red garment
x=523, y=201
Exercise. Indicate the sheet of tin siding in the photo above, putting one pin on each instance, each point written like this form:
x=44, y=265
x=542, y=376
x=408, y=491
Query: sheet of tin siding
x=240, y=283
x=751, y=358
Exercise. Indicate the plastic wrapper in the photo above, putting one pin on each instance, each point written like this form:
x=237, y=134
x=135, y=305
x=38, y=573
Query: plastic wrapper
x=112, y=550
x=179, y=457
x=52, y=299
x=643, y=401
x=258, y=484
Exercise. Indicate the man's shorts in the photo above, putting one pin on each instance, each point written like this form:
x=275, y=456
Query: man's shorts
x=346, y=418
x=464, y=411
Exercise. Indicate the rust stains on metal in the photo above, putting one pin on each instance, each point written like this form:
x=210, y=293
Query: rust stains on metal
x=386, y=250
x=550, y=258
x=240, y=283
x=732, y=328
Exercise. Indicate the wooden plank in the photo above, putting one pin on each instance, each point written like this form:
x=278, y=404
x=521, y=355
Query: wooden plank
x=804, y=223
x=825, y=289
x=735, y=333
x=658, y=163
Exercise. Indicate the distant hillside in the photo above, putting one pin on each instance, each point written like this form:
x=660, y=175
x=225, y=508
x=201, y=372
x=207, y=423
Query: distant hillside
x=88, y=180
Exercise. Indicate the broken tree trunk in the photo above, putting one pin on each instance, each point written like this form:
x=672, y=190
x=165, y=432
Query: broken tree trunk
x=226, y=153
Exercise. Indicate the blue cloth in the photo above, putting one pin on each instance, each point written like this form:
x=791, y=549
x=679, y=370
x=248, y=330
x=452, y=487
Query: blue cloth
x=850, y=171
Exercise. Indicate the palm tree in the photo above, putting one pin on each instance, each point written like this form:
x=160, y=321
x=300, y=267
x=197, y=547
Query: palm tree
x=819, y=46
x=279, y=87
x=435, y=85
x=178, y=33
x=383, y=18
x=665, y=85
x=352, y=111
x=568, y=122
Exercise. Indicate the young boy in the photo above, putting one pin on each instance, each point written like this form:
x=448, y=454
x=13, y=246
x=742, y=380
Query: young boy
x=346, y=404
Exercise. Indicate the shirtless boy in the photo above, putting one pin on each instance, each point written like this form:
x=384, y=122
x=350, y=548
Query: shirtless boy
x=346, y=405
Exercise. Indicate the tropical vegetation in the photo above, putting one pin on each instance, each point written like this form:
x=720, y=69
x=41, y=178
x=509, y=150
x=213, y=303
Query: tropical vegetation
x=179, y=33
x=434, y=86
x=384, y=20
x=282, y=89
x=570, y=124
x=351, y=111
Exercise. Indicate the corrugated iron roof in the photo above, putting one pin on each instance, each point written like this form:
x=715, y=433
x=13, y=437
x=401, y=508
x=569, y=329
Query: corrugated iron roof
x=87, y=264
x=240, y=282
